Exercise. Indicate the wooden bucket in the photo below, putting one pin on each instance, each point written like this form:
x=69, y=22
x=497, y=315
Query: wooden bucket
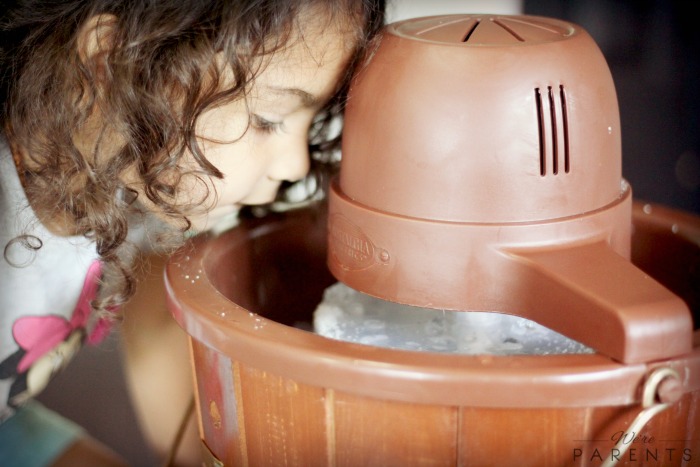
x=271, y=393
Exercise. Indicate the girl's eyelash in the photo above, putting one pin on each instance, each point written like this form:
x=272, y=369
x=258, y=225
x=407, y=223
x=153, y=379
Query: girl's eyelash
x=264, y=125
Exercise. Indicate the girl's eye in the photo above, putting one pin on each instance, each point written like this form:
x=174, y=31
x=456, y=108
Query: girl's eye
x=264, y=125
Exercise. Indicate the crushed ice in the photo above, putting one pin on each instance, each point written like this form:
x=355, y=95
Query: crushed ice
x=348, y=315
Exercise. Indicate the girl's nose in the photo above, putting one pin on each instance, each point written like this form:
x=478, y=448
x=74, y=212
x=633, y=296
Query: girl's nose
x=291, y=162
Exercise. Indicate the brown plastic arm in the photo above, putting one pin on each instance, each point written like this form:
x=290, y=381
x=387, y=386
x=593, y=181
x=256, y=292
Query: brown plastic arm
x=595, y=296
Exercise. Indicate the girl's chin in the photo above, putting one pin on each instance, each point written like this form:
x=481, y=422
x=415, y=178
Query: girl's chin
x=218, y=219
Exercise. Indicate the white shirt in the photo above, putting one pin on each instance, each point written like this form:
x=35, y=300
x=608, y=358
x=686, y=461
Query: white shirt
x=43, y=317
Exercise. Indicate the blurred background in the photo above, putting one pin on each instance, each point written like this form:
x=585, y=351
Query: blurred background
x=653, y=52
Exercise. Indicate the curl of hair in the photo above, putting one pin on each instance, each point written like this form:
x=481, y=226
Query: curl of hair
x=156, y=78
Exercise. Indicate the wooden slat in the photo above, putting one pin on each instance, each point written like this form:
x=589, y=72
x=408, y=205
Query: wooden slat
x=216, y=405
x=371, y=432
x=522, y=437
x=284, y=420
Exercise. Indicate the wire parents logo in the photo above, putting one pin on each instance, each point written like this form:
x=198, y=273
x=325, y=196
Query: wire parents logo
x=632, y=448
x=636, y=445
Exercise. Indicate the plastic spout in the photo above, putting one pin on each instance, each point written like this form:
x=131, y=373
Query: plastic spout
x=599, y=298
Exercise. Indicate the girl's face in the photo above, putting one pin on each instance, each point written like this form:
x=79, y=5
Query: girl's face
x=259, y=142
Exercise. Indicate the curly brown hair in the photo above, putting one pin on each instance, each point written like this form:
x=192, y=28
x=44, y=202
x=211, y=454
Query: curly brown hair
x=151, y=85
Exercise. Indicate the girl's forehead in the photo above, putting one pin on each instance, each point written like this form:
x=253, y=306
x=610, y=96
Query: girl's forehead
x=307, y=69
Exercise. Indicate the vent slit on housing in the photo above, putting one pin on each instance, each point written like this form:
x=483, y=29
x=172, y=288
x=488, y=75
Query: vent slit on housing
x=470, y=31
x=508, y=30
x=540, y=128
x=553, y=123
x=565, y=124
x=553, y=130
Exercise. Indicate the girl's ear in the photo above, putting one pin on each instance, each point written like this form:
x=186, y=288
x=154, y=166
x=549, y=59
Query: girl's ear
x=96, y=40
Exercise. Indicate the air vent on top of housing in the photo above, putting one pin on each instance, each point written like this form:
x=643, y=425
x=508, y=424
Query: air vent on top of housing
x=487, y=30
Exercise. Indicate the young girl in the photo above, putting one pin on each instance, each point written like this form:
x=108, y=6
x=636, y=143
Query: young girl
x=123, y=114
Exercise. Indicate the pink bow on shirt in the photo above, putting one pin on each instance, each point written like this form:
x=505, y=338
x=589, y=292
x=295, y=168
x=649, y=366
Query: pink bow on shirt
x=37, y=335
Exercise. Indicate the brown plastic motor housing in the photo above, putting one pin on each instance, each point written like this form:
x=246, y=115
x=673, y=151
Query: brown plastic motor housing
x=481, y=171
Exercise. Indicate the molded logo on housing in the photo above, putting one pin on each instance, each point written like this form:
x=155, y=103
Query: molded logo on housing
x=350, y=247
